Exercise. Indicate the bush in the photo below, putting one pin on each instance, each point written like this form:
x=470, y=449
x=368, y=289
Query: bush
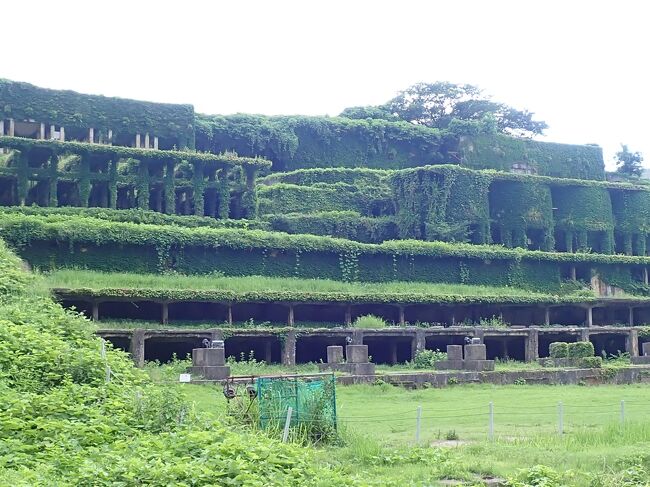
x=558, y=350
x=426, y=359
x=369, y=321
x=580, y=350
x=591, y=362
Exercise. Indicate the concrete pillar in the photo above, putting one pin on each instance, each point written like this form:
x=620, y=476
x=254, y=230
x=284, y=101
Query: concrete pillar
x=110, y=137
x=2, y=127
x=217, y=334
x=146, y=140
x=348, y=315
x=91, y=135
x=480, y=334
x=52, y=130
x=95, y=311
x=547, y=315
x=41, y=133
x=645, y=276
x=402, y=321
x=590, y=316
x=418, y=343
x=155, y=143
x=137, y=141
x=357, y=337
x=290, y=320
x=137, y=347
x=268, y=352
x=532, y=345
x=230, y=314
x=12, y=127
x=632, y=343
x=62, y=134
x=630, y=316
x=584, y=335
x=289, y=349
x=393, y=352
x=335, y=354
x=164, y=308
x=573, y=273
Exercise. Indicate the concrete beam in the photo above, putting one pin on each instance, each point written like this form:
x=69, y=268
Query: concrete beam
x=146, y=140
x=155, y=143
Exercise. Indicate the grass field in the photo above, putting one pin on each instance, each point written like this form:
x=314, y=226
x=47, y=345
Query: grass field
x=73, y=279
x=378, y=422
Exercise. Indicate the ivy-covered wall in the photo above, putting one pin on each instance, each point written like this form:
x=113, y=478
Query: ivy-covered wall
x=294, y=142
x=584, y=216
x=631, y=211
x=173, y=124
x=292, y=198
x=442, y=203
x=544, y=158
x=516, y=208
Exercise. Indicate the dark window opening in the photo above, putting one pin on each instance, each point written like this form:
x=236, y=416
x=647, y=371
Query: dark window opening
x=505, y=348
x=164, y=349
x=267, y=348
x=388, y=349
x=314, y=349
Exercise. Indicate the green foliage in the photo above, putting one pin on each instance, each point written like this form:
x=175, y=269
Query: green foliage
x=369, y=322
x=174, y=124
x=329, y=175
x=559, y=350
x=537, y=476
x=630, y=163
x=441, y=103
x=580, y=349
x=291, y=198
x=426, y=359
x=349, y=225
x=546, y=159
x=591, y=362
x=294, y=142
x=442, y=203
x=63, y=424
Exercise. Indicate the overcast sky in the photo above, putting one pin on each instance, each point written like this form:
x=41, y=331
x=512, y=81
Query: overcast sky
x=582, y=66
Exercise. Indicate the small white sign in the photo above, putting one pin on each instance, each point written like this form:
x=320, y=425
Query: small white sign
x=185, y=378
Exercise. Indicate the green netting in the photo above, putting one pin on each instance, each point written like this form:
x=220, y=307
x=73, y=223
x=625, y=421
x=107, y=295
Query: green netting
x=313, y=401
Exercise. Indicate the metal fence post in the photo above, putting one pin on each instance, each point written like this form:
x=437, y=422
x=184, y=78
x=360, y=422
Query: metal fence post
x=285, y=435
x=491, y=424
x=417, y=425
x=560, y=412
x=623, y=411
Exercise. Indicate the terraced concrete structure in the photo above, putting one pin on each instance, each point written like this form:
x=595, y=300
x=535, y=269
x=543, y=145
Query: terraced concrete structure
x=113, y=185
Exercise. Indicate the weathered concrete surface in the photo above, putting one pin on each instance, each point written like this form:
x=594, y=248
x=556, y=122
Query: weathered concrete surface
x=334, y=354
x=356, y=354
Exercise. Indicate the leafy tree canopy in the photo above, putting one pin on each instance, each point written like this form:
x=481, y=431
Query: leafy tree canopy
x=440, y=104
x=628, y=162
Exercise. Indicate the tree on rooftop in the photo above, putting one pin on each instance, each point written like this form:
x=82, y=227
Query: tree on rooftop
x=628, y=162
x=439, y=104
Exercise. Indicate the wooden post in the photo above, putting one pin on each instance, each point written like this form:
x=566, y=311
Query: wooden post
x=165, y=312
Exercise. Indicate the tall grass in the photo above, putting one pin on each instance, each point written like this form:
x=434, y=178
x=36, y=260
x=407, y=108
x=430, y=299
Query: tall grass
x=73, y=278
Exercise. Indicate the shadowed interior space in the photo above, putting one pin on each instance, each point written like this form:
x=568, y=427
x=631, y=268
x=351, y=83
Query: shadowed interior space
x=509, y=347
x=389, y=349
x=567, y=315
x=607, y=343
x=259, y=312
x=122, y=343
x=163, y=349
x=266, y=348
x=198, y=311
x=321, y=313
x=131, y=310
x=314, y=348
x=545, y=339
x=440, y=342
